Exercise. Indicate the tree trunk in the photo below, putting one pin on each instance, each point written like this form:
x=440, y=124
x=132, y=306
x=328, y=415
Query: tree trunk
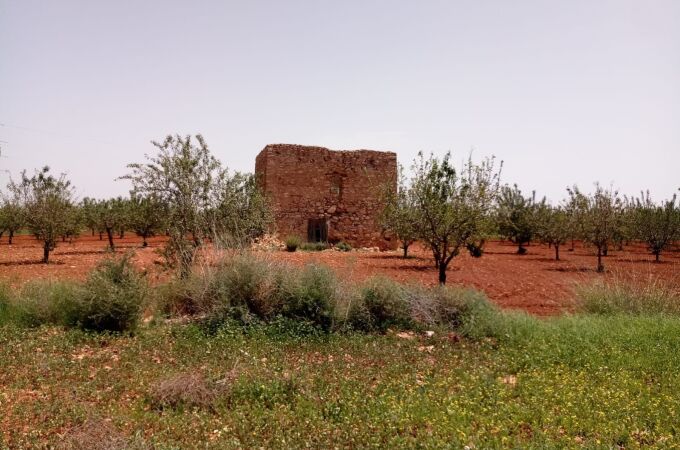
x=600, y=267
x=109, y=233
x=442, y=273
x=605, y=251
x=184, y=265
x=656, y=254
x=405, y=251
x=557, y=252
x=121, y=235
x=92, y=231
x=144, y=243
x=11, y=236
x=46, y=253
x=101, y=236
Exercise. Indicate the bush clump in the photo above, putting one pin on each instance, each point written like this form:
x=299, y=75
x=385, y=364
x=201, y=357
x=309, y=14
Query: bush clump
x=343, y=246
x=246, y=290
x=292, y=243
x=5, y=304
x=111, y=299
x=44, y=303
x=314, y=246
x=249, y=289
x=181, y=297
x=244, y=286
x=621, y=297
x=184, y=390
x=311, y=296
x=466, y=311
x=382, y=303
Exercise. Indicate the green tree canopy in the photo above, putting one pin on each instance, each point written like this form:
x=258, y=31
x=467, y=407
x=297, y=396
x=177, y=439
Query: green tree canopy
x=48, y=203
x=454, y=206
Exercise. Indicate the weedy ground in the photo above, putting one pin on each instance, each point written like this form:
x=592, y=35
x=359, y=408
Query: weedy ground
x=594, y=381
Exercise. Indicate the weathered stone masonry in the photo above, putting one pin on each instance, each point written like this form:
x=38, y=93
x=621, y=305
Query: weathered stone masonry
x=320, y=194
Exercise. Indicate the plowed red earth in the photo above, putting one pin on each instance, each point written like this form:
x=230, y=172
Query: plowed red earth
x=534, y=282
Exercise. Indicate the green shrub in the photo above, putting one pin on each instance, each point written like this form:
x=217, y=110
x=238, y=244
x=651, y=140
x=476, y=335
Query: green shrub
x=343, y=246
x=467, y=311
x=246, y=285
x=182, y=296
x=383, y=303
x=311, y=296
x=5, y=304
x=245, y=290
x=235, y=284
x=621, y=297
x=314, y=246
x=44, y=302
x=111, y=299
x=292, y=243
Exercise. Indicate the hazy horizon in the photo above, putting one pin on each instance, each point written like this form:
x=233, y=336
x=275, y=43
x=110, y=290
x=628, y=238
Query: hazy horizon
x=563, y=93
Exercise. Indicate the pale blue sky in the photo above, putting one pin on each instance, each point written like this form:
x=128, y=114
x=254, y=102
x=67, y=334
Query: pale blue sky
x=563, y=91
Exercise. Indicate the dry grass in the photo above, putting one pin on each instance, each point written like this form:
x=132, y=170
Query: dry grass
x=186, y=390
x=97, y=434
x=630, y=294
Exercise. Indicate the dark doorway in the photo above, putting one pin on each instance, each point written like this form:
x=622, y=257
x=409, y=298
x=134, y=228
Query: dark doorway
x=317, y=230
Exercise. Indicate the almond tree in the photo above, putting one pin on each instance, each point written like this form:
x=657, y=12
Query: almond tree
x=454, y=206
x=239, y=211
x=553, y=227
x=148, y=216
x=2, y=223
x=11, y=215
x=182, y=175
x=110, y=217
x=656, y=225
x=516, y=216
x=88, y=208
x=73, y=224
x=48, y=201
x=400, y=215
x=576, y=207
x=204, y=202
x=600, y=220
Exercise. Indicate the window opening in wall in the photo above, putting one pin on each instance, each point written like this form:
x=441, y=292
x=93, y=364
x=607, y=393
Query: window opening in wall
x=336, y=185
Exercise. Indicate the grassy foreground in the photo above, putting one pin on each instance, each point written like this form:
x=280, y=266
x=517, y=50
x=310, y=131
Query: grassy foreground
x=585, y=381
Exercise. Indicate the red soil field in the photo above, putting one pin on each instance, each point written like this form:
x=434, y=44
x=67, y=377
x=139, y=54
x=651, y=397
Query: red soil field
x=534, y=282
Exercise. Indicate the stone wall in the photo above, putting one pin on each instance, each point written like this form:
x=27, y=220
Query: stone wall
x=340, y=189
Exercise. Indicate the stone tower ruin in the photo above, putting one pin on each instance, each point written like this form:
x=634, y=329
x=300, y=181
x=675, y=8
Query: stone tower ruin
x=327, y=195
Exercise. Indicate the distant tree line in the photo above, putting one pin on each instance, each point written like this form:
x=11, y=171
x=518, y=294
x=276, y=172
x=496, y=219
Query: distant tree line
x=182, y=192
x=450, y=210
